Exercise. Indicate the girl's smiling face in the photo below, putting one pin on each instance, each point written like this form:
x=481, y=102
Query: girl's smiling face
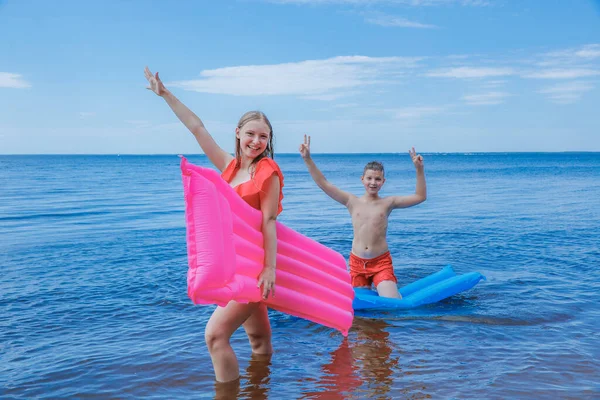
x=254, y=138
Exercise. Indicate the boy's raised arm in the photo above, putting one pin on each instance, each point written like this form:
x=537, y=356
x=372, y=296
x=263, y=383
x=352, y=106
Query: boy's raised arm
x=331, y=190
x=421, y=189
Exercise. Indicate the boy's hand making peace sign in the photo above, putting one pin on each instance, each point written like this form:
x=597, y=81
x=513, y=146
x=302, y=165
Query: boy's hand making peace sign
x=417, y=159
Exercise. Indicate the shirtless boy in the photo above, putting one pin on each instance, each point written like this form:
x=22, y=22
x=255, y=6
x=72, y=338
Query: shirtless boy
x=370, y=260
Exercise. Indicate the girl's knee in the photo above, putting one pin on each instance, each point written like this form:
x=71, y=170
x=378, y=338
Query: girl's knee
x=260, y=343
x=215, y=338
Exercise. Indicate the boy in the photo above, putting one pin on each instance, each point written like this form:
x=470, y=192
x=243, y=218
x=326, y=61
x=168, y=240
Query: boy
x=370, y=260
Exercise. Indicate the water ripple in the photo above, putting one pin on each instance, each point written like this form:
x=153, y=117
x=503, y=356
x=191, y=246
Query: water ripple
x=93, y=284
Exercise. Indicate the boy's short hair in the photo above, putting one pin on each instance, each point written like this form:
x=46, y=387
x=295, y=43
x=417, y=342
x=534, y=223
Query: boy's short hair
x=374, y=166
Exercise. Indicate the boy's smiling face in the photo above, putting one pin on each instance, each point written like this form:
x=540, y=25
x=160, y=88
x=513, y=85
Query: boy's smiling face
x=373, y=181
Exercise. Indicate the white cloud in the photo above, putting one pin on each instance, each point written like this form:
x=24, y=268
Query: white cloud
x=494, y=84
x=589, y=51
x=346, y=105
x=470, y=72
x=416, y=112
x=572, y=58
x=325, y=97
x=15, y=81
x=458, y=56
x=490, y=98
x=339, y=77
x=86, y=114
x=566, y=93
x=392, y=21
x=562, y=73
x=572, y=63
x=322, y=78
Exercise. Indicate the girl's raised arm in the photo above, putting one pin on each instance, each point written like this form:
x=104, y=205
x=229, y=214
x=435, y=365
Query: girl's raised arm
x=219, y=157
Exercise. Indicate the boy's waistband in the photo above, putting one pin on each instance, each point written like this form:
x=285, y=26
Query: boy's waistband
x=366, y=260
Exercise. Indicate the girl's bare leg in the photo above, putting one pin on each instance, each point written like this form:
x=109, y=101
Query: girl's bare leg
x=221, y=325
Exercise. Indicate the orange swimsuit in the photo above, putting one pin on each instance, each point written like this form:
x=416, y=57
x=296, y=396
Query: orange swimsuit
x=365, y=271
x=250, y=191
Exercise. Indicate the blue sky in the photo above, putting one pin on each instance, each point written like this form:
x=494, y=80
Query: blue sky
x=357, y=75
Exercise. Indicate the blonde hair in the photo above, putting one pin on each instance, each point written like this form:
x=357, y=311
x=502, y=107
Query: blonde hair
x=254, y=116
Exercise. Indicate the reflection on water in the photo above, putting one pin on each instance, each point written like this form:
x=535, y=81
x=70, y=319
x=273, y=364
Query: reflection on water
x=227, y=390
x=257, y=377
x=253, y=384
x=364, y=365
x=361, y=366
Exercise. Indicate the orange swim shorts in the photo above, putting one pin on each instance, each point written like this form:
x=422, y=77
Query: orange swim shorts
x=365, y=272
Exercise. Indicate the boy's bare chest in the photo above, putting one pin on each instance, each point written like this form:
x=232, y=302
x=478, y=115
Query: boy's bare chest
x=371, y=213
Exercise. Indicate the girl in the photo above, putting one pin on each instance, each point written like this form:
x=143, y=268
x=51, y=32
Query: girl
x=259, y=181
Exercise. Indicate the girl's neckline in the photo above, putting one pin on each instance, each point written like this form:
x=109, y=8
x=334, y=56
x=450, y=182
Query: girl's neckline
x=235, y=169
x=239, y=184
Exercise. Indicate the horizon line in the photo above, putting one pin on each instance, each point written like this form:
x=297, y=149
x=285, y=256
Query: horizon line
x=295, y=153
